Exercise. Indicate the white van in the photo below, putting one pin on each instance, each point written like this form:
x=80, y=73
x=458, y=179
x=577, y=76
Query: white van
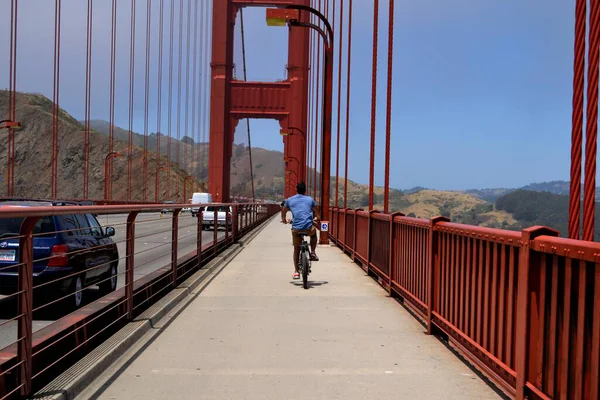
x=200, y=198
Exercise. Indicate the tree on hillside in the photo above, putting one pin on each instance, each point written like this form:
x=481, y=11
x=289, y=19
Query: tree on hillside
x=187, y=140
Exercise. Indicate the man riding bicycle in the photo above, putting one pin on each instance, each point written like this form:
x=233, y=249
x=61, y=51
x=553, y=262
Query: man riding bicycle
x=304, y=211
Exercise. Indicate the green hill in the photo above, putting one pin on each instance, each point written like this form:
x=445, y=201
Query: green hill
x=540, y=208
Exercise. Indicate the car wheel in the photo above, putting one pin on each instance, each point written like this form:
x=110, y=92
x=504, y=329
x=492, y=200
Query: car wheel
x=110, y=285
x=76, y=298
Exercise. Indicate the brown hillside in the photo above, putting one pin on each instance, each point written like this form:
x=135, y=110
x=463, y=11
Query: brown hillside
x=33, y=142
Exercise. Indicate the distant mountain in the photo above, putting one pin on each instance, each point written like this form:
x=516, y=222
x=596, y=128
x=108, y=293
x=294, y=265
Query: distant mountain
x=414, y=190
x=489, y=194
x=555, y=187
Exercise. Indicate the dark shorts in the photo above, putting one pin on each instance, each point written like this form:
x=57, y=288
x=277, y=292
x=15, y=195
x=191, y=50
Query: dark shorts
x=297, y=240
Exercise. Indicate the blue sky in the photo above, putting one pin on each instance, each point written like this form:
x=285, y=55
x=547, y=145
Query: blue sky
x=481, y=96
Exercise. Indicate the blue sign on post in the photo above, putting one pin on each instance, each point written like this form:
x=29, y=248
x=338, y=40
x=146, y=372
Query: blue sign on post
x=324, y=226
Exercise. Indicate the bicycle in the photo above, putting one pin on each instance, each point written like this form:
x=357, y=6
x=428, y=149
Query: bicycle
x=304, y=262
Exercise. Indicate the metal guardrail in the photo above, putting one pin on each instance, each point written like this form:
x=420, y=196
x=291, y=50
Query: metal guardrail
x=522, y=307
x=179, y=246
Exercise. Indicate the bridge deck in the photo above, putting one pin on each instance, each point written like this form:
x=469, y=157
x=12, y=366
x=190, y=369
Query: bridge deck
x=254, y=333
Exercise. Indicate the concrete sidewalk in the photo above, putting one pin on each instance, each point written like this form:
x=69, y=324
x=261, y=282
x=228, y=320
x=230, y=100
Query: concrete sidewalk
x=254, y=333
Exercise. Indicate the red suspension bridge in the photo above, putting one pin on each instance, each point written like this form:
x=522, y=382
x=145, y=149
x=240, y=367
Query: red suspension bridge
x=521, y=308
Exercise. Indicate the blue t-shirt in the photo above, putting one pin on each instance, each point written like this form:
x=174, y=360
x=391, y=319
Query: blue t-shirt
x=301, y=207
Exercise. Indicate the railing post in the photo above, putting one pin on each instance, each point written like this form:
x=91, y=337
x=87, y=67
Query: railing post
x=337, y=226
x=392, y=253
x=433, y=270
x=130, y=262
x=226, y=227
x=174, y=244
x=234, y=224
x=528, y=261
x=215, y=231
x=332, y=224
x=199, y=232
x=25, y=329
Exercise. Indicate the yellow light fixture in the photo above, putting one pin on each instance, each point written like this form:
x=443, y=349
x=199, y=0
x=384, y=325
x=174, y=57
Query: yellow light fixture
x=280, y=16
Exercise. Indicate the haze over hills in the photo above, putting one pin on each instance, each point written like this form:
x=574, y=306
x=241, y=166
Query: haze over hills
x=510, y=208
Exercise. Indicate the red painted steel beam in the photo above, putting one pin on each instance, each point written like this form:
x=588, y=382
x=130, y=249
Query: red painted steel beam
x=260, y=99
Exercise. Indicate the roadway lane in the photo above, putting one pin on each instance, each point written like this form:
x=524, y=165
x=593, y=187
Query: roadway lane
x=153, y=241
x=152, y=251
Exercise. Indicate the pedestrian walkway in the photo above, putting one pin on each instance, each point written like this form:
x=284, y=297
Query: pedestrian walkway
x=254, y=333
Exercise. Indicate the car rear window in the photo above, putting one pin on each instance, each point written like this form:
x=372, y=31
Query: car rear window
x=219, y=209
x=10, y=227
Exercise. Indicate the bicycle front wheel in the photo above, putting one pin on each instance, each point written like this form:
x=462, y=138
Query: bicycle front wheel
x=305, y=266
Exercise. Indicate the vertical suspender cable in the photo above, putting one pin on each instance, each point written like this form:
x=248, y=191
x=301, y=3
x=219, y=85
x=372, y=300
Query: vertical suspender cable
x=187, y=94
x=591, y=131
x=348, y=103
x=308, y=137
x=111, y=124
x=201, y=97
x=373, y=103
x=247, y=120
x=577, y=119
x=178, y=147
x=207, y=79
x=87, y=112
x=146, y=102
x=159, y=100
x=194, y=90
x=388, y=114
x=337, y=153
x=12, y=98
x=317, y=115
x=131, y=87
x=170, y=100
x=55, y=106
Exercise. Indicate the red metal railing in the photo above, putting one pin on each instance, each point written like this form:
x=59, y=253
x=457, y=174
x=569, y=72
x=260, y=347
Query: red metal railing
x=522, y=307
x=37, y=356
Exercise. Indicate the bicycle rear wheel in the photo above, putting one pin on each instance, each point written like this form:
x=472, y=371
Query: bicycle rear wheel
x=305, y=266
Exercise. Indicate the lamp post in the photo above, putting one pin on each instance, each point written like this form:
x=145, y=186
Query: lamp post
x=284, y=132
x=289, y=158
x=289, y=132
x=108, y=192
x=290, y=15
